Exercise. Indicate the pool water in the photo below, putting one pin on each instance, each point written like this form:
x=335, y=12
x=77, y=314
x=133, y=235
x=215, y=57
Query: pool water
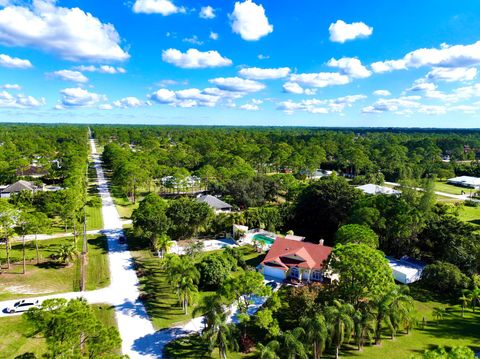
x=264, y=239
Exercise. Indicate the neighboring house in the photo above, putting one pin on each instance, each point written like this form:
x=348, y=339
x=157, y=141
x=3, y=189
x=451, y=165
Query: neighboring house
x=217, y=204
x=465, y=181
x=376, y=189
x=18, y=187
x=406, y=270
x=31, y=171
x=293, y=259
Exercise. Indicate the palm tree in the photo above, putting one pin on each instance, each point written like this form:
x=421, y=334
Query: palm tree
x=210, y=308
x=340, y=322
x=317, y=333
x=463, y=301
x=268, y=351
x=474, y=297
x=162, y=245
x=401, y=309
x=220, y=335
x=187, y=291
x=438, y=313
x=292, y=344
x=183, y=277
x=364, y=321
x=67, y=253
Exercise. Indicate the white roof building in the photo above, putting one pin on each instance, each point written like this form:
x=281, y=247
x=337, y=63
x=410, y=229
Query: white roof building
x=465, y=181
x=376, y=189
x=406, y=270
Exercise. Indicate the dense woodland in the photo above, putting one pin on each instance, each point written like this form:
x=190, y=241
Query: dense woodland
x=266, y=174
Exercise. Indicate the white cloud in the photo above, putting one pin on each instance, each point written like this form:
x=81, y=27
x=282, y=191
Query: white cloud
x=445, y=56
x=421, y=86
x=316, y=106
x=454, y=74
x=193, y=97
x=249, y=21
x=249, y=107
x=255, y=73
x=321, y=79
x=351, y=67
x=392, y=105
x=69, y=75
x=193, y=40
x=387, y=66
x=207, y=12
x=164, y=7
x=14, y=62
x=237, y=84
x=128, y=102
x=383, y=93
x=104, y=69
x=194, y=59
x=213, y=35
x=78, y=97
x=293, y=87
x=19, y=101
x=71, y=33
x=11, y=87
x=340, y=31
x=263, y=57
x=105, y=106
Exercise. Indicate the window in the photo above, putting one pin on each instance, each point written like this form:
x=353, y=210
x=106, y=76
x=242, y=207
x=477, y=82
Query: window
x=317, y=275
x=295, y=273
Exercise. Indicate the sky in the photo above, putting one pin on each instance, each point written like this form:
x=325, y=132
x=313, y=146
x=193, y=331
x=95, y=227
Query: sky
x=340, y=63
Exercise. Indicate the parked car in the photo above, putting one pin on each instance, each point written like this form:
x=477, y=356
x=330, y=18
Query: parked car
x=122, y=239
x=274, y=285
x=22, y=306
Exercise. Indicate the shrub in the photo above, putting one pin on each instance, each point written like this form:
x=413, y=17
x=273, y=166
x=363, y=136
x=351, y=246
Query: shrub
x=470, y=203
x=443, y=277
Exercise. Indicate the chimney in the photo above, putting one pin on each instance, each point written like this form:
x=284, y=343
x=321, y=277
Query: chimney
x=321, y=242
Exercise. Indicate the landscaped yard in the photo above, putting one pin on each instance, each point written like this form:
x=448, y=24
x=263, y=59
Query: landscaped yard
x=16, y=334
x=49, y=276
x=160, y=300
x=470, y=215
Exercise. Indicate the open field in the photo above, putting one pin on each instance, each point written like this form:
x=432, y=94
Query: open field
x=16, y=334
x=49, y=276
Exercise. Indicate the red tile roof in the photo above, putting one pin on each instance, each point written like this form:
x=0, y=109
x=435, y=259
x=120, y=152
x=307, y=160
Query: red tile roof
x=286, y=253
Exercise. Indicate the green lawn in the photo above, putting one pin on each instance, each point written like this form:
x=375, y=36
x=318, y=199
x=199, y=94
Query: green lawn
x=160, y=300
x=124, y=207
x=49, y=276
x=470, y=215
x=16, y=334
x=448, y=188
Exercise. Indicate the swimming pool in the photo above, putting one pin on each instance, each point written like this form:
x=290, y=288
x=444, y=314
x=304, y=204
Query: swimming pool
x=264, y=239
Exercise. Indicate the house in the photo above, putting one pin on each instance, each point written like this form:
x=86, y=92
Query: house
x=406, y=270
x=465, y=181
x=18, y=187
x=217, y=204
x=295, y=260
x=376, y=189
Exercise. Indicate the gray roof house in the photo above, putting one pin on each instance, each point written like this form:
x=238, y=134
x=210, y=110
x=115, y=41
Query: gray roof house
x=17, y=187
x=217, y=204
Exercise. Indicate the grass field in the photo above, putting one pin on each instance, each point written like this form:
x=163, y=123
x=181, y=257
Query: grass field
x=49, y=276
x=470, y=215
x=16, y=334
x=161, y=301
x=448, y=188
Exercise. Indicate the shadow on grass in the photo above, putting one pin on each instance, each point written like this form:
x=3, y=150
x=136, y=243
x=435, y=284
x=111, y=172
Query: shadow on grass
x=51, y=264
x=99, y=243
x=192, y=346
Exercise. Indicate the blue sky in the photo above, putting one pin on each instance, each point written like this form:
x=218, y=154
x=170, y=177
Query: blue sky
x=248, y=62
